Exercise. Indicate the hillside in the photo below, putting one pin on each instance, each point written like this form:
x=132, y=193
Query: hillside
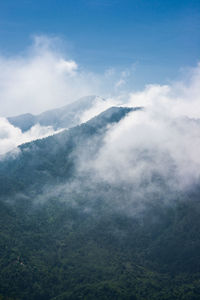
x=67, y=235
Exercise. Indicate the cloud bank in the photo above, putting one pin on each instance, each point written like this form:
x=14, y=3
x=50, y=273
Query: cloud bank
x=157, y=146
x=160, y=143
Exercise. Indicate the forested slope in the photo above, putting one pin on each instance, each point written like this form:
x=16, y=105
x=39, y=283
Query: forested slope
x=63, y=235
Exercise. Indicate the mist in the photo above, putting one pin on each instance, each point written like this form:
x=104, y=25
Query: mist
x=45, y=76
x=41, y=78
x=11, y=137
x=148, y=152
x=153, y=151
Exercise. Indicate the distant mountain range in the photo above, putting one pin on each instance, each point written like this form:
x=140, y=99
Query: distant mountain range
x=64, y=117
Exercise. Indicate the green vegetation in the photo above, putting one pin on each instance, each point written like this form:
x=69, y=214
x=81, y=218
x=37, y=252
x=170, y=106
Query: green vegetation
x=63, y=236
x=54, y=251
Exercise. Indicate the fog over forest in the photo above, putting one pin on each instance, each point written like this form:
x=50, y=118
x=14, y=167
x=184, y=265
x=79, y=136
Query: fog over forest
x=99, y=181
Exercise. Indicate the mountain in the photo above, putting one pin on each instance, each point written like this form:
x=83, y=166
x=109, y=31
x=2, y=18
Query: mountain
x=64, y=117
x=67, y=234
x=50, y=159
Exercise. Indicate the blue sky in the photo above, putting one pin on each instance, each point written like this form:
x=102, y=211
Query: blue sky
x=158, y=37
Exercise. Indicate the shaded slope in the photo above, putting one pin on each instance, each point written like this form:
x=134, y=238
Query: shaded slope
x=50, y=160
x=77, y=244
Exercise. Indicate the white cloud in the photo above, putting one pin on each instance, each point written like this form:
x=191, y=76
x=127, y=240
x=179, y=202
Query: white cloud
x=120, y=83
x=162, y=139
x=69, y=67
x=11, y=137
x=99, y=106
x=42, y=79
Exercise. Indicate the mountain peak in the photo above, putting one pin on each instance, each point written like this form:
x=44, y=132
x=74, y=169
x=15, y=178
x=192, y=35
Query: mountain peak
x=63, y=117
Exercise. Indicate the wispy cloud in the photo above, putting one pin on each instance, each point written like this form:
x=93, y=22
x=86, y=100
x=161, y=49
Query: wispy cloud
x=11, y=137
x=44, y=77
x=162, y=141
x=41, y=79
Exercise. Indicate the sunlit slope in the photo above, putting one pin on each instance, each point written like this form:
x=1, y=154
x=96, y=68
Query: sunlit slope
x=64, y=117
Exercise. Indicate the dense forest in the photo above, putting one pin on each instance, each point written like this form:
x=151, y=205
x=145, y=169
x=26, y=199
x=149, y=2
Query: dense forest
x=64, y=235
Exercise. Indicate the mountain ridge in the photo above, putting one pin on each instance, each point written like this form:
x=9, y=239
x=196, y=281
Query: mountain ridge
x=65, y=116
x=67, y=234
x=54, y=150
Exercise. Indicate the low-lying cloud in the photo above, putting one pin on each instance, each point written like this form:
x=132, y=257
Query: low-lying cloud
x=161, y=142
x=148, y=150
x=11, y=137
